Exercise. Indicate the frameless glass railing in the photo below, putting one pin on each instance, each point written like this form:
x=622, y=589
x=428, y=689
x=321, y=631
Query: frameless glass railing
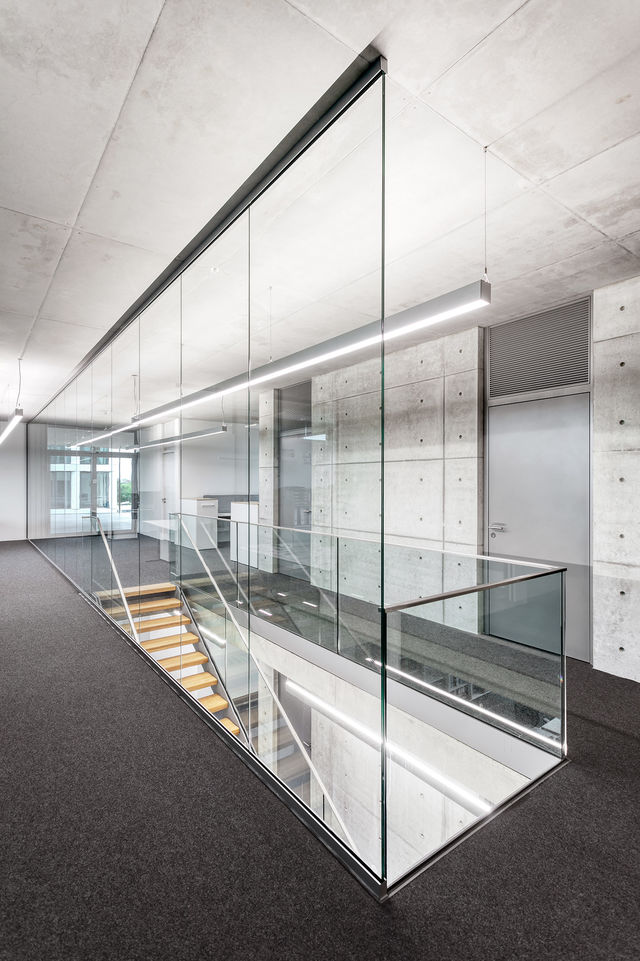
x=486, y=663
x=197, y=639
x=249, y=673
x=393, y=725
x=482, y=633
x=455, y=694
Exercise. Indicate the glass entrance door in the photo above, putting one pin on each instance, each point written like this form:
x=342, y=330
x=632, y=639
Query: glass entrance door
x=113, y=494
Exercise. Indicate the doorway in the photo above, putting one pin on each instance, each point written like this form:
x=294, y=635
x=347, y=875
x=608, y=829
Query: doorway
x=539, y=501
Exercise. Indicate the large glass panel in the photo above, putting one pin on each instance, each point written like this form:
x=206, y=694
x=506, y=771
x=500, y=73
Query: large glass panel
x=42, y=489
x=316, y=275
x=124, y=458
x=82, y=449
x=69, y=518
x=157, y=439
x=39, y=490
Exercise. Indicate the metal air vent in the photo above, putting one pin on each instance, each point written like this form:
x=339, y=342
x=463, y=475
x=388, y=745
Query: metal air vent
x=540, y=352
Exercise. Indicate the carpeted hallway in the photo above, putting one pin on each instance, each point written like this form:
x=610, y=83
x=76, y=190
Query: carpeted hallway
x=130, y=831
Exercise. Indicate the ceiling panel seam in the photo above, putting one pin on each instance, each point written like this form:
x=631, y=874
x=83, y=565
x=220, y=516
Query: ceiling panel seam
x=534, y=185
x=122, y=106
x=321, y=26
x=475, y=46
x=554, y=103
x=587, y=160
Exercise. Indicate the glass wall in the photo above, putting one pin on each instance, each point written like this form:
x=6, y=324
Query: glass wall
x=219, y=482
x=193, y=452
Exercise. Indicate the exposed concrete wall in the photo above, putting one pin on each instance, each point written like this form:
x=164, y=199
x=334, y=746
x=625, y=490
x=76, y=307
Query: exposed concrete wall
x=433, y=462
x=616, y=479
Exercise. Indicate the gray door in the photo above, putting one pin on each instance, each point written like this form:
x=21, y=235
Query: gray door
x=538, y=498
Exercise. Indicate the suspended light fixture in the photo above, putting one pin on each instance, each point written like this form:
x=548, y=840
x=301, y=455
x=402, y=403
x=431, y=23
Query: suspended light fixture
x=18, y=414
x=453, y=304
x=179, y=439
x=12, y=424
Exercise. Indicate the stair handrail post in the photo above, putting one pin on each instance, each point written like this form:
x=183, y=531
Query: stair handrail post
x=115, y=574
x=272, y=692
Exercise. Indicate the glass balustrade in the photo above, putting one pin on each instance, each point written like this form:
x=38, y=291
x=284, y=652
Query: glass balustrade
x=472, y=716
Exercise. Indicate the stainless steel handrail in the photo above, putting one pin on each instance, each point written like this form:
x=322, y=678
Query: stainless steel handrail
x=95, y=518
x=269, y=687
x=419, y=601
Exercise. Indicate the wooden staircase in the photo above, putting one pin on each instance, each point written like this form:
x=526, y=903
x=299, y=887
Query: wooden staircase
x=156, y=611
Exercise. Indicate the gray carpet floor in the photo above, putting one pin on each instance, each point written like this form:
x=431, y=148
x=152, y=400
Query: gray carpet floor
x=129, y=831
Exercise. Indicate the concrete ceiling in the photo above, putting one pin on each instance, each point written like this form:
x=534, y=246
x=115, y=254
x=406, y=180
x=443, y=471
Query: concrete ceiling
x=126, y=126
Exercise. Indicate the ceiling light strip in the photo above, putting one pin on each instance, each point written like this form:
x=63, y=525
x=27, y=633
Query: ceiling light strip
x=454, y=304
x=11, y=424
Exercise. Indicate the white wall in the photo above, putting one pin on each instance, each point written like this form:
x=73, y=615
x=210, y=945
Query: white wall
x=209, y=465
x=13, y=481
x=616, y=479
x=218, y=464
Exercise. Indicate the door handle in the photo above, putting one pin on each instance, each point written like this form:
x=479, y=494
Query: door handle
x=498, y=527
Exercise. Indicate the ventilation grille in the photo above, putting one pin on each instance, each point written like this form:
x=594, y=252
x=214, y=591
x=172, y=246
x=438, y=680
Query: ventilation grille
x=540, y=352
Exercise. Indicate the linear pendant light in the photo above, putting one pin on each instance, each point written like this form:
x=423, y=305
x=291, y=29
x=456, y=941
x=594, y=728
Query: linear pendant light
x=453, y=304
x=179, y=439
x=12, y=424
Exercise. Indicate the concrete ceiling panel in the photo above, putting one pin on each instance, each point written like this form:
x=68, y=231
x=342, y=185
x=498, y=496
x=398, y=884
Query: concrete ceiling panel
x=435, y=179
x=562, y=282
x=52, y=352
x=13, y=331
x=97, y=280
x=532, y=232
x=596, y=116
x=606, y=189
x=220, y=86
x=29, y=253
x=419, y=38
x=537, y=57
x=65, y=69
x=631, y=242
x=72, y=341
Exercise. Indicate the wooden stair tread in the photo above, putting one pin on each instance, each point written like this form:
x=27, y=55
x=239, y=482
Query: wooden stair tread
x=163, y=588
x=183, y=661
x=214, y=703
x=159, y=624
x=148, y=607
x=230, y=725
x=197, y=681
x=171, y=640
